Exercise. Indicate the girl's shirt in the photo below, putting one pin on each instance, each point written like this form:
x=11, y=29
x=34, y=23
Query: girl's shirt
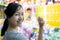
x=14, y=35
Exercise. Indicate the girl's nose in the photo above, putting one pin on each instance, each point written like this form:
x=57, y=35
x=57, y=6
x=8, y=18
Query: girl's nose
x=20, y=17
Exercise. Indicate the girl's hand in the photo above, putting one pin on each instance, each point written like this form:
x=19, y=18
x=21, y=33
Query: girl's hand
x=40, y=21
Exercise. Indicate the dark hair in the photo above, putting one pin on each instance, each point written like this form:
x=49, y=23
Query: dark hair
x=9, y=11
x=28, y=9
x=5, y=26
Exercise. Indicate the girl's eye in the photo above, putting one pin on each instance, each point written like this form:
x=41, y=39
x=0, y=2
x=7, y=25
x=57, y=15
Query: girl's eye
x=16, y=14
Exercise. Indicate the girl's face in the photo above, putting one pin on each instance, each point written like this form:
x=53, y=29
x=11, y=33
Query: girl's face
x=17, y=18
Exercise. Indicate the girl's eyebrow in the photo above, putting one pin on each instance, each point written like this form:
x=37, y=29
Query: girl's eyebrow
x=19, y=12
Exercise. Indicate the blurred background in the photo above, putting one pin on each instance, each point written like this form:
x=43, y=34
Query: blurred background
x=49, y=10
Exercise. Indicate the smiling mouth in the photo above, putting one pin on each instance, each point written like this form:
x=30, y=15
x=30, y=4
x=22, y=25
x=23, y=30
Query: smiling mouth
x=19, y=21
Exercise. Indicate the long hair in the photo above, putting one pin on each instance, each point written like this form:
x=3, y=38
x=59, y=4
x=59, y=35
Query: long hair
x=5, y=26
x=9, y=11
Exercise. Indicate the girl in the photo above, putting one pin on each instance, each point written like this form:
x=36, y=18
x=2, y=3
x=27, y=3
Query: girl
x=10, y=30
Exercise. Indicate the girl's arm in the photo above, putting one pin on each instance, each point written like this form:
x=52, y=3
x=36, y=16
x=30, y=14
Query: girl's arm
x=41, y=23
